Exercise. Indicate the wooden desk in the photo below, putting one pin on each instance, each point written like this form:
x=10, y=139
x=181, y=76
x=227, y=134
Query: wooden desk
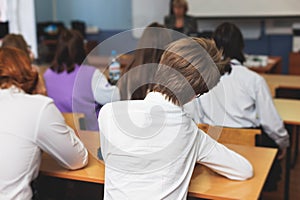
x=207, y=184
x=274, y=66
x=281, y=82
x=289, y=110
x=93, y=172
x=204, y=183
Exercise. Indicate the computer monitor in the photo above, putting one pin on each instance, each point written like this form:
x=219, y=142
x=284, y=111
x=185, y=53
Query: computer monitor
x=4, y=30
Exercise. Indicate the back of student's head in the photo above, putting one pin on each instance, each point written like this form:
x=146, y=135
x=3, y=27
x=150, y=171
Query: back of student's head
x=189, y=67
x=152, y=43
x=17, y=41
x=16, y=70
x=229, y=38
x=69, y=52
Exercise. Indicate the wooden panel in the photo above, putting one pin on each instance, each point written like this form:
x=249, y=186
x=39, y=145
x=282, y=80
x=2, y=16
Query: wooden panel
x=227, y=135
x=294, y=63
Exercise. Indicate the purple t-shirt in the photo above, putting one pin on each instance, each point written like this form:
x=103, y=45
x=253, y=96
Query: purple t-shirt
x=72, y=92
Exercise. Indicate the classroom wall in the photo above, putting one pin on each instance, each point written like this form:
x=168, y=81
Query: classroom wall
x=43, y=10
x=114, y=16
x=105, y=14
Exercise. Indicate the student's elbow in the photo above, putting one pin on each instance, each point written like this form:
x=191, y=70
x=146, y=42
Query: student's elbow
x=80, y=162
x=244, y=173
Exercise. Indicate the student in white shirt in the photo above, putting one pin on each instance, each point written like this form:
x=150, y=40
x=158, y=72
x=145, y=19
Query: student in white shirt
x=150, y=146
x=29, y=125
x=242, y=98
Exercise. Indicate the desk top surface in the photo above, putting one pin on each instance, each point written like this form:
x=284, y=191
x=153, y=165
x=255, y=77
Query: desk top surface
x=204, y=183
x=283, y=81
x=289, y=110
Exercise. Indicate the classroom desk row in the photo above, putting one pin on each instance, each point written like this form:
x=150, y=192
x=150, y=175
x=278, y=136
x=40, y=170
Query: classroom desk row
x=204, y=183
x=289, y=111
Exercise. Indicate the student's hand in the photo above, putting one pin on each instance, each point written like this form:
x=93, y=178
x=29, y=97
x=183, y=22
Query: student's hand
x=281, y=154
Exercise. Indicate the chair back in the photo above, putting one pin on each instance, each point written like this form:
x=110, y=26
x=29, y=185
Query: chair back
x=225, y=135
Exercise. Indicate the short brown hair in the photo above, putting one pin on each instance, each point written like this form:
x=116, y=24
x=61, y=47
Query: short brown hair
x=189, y=67
x=17, y=41
x=182, y=3
x=16, y=70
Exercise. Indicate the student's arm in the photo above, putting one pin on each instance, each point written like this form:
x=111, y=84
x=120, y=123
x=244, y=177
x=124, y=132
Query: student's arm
x=221, y=159
x=57, y=139
x=268, y=115
x=103, y=92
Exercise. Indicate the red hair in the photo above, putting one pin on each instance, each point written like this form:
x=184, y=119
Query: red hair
x=16, y=70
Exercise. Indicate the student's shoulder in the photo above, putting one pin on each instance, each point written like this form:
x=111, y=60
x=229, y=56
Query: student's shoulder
x=246, y=72
x=37, y=99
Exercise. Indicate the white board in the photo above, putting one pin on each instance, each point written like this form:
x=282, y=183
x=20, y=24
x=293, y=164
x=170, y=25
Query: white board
x=244, y=8
x=145, y=12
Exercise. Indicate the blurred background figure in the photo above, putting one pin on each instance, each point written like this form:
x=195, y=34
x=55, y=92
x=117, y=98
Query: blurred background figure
x=76, y=87
x=138, y=75
x=242, y=100
x=30, y=125
x=179, y=20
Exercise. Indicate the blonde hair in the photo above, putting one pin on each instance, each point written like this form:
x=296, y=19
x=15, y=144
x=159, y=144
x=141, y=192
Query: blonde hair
x=189, y=67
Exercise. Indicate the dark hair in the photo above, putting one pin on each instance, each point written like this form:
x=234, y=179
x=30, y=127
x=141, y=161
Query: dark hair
x=16, y=70
x=70, y=51
x=17, y=41
x=151, y=46
x=229, y=38
x=189, y=67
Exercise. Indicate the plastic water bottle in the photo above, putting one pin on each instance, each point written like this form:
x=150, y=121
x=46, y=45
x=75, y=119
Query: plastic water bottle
x=114, y=68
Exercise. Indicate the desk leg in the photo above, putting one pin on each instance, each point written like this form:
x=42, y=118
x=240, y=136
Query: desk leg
x=296, y=149
x=287, y=174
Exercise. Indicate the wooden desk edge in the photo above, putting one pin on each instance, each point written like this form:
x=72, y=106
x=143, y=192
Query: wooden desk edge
x=64, y=175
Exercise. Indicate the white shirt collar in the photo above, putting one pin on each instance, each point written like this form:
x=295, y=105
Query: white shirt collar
x=161, y=98
x=12, y=90
x=235, y=62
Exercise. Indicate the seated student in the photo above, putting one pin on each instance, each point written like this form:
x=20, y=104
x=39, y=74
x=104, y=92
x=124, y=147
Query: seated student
x=76, y=87
x=150, y=146
x=242, y=98
x=138, y=75
x=29, y=125
x=179, y=20
x=18, y=41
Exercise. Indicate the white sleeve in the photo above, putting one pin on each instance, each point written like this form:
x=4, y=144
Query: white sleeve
x=103, y=92
x=59, y=140
x=268, y=115
x=221, y=159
